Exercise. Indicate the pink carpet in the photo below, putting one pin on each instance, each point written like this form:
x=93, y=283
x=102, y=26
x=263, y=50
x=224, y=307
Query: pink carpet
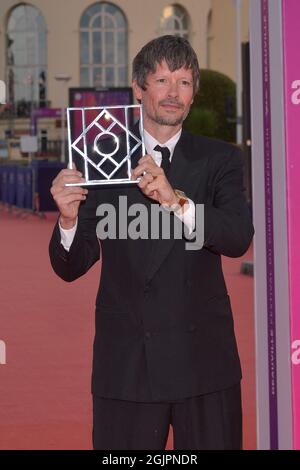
x=48, y=326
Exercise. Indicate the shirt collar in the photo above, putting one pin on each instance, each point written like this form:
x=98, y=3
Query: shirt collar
x=151, y=142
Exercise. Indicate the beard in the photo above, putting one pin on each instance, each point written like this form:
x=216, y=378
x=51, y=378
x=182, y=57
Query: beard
x=163, y=120
x=168, y=121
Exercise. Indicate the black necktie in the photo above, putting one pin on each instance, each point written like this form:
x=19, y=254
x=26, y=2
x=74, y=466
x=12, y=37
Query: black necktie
x=165, y=153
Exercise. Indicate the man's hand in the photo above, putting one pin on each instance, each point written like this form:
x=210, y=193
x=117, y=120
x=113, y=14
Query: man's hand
x=154, y=183
x=68, y=198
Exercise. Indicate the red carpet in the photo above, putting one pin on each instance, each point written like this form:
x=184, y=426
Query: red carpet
x=240, y=288
x=48, y=326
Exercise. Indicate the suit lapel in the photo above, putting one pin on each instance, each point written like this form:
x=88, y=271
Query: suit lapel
x=186, y=174
x=184, y=169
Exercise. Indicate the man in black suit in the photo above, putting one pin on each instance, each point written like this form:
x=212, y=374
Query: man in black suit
x=164, y=350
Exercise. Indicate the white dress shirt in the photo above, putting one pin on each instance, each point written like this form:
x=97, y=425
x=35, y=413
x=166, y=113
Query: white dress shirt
x=187, y=217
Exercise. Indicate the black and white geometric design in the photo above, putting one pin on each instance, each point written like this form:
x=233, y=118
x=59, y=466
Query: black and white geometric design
x=105, y=127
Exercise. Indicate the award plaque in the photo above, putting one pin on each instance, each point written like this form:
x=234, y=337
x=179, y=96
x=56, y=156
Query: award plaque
x=104, y=142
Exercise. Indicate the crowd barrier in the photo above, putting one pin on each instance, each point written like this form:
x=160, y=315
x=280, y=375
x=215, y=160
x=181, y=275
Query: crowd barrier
x=28, y=187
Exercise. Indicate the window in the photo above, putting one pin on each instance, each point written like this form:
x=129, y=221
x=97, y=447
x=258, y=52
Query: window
x=26, y=59
x=175, y=21
x=103, y=46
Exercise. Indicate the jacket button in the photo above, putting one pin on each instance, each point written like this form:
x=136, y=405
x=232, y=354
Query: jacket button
x=147, y=335
x=146, y=288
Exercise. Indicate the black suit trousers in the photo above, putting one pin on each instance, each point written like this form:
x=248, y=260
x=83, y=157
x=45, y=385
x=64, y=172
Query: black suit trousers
x=207, y=422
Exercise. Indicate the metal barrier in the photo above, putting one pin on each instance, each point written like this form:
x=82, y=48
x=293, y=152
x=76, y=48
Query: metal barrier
x=28, y=187
x=24, y=188
x=4, y=184
x=43, y=174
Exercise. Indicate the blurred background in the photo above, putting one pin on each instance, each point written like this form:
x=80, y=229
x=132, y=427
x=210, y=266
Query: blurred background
x=57, y=54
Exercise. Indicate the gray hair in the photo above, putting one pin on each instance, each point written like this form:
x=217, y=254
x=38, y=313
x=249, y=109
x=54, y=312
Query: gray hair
x=176, y=51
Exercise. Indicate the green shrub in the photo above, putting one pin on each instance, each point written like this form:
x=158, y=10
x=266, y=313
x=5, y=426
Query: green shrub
x=213, y=112
x=202, y=121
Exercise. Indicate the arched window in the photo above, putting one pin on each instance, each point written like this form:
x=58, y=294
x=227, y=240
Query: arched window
x=174, y=20
x=26, y=59
x=103, y=46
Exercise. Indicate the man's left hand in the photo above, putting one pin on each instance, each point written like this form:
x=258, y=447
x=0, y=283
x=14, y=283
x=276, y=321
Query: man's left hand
x=153, y=182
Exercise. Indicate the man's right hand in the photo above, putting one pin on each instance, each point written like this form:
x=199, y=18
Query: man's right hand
x=68, y=198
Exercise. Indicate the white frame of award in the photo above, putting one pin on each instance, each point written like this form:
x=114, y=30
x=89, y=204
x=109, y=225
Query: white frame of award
x=105, y=111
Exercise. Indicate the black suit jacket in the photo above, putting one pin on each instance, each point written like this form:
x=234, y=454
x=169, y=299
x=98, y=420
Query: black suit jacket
x=164, y=326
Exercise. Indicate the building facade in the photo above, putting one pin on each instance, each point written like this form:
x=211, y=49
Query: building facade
x=47, y=46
